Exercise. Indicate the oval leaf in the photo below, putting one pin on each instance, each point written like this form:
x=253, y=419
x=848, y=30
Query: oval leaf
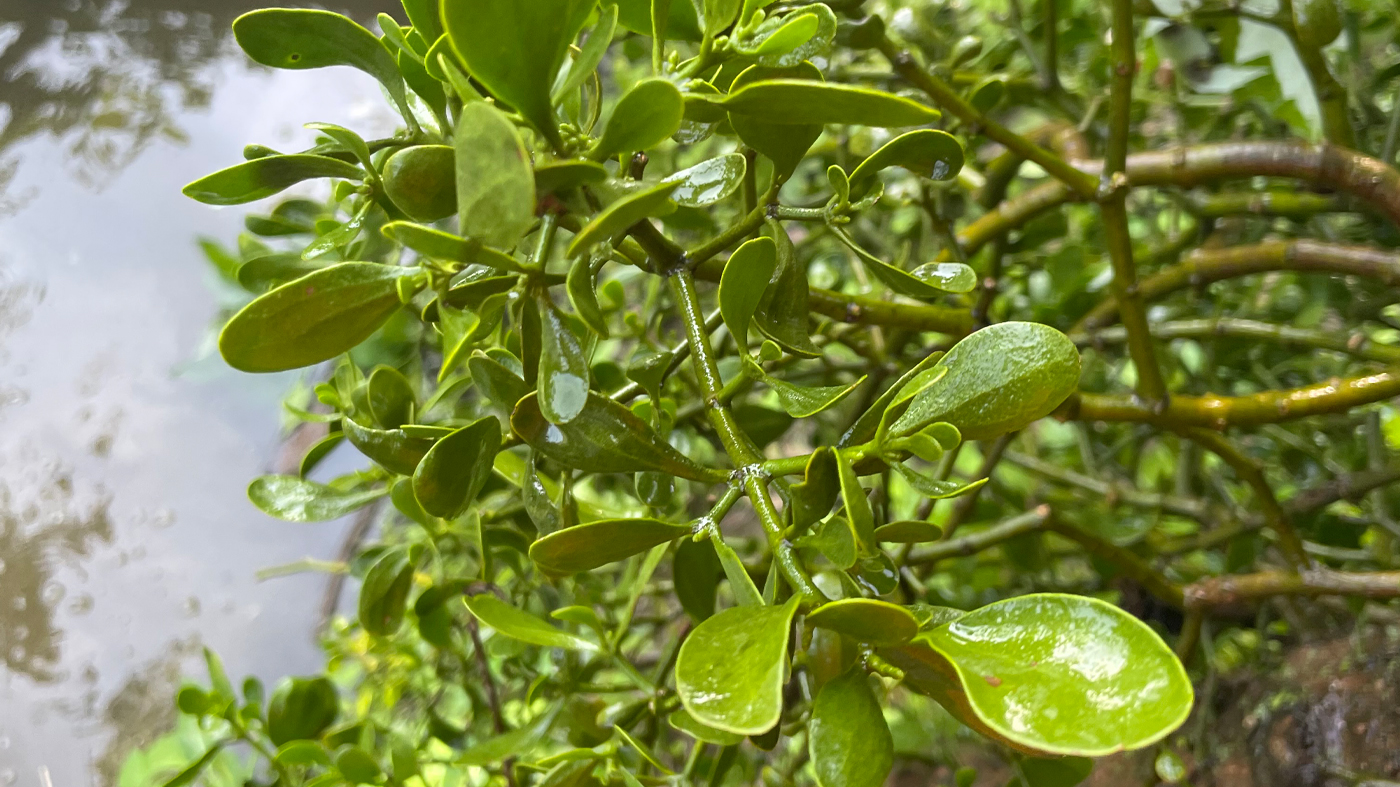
x=805, y=102
x=419, y=180
x=294, y=499
x=390, y=396
x=517, y=624
x=563, y=175
x=731, y=669
x=384, y=593
x=784, y=144
x=617, y=217
x=928, y=153
x=646, y=116
x=394, y=449
x=455, y=469
x=709, y=181
x=564, y=374
x=999, y=379
x=743, y=283
x=866, y=620
x=495, y=186
x=783, y=311
x=908, y=531
x=849, y=741
x=311, y=319
x=263, y=177
x=301, y=709
x=593, y=544
x=682, y=720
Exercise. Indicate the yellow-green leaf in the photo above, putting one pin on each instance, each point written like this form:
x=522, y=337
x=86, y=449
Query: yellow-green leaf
x=521, y=625
x=495, y=185
x=420, y=181
x=866, y=620
x=848, y=740
x=263, y=177
x=455, y=469
x=908, y=531
x=805, y=102
x=592, y=544
x=622, y=214
x=645, y=116
x=731, y=670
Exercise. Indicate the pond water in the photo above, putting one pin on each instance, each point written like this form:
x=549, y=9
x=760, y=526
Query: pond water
x=126, y=444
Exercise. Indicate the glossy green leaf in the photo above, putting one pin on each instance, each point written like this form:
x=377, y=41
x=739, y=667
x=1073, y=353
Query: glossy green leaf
x=908, y=531
x=806, y=102
x=311, y=319
x=716, y=15
x=516, y=48
x=682, y=23
x=261, y=274
x=742, y=285
x=866, y=620
x=928, y=153
x=848, y=740
x=813, y=497
x=392, y=402
x=645, y=116
x=858, y=513
x=421, y=181
x=425, y=17
x=682, y=720
x=933, y=488
x=868, y=424
x=564, y=374
x=394, y=449
x=928, y=281
x=590, y=56
x=622, y=214
x=800, y=401
x=301, y=709
x=1000, y=379
x=605, y=437
x=584, y=297
x=455, y=469
x=384, y=593
x=263, y=177
x=294, y=499
x=592, y=544
x=741, y=586
x=305, y=38
x=496, y=382
x=783, y=311
x=348, y=140
x=709, y=181
x=472, y=293
x=780, y=35
x=1052, y=674
x=555, y=176
x=695, y=573
x=783, y=143
x=495, y=185
x=462, y=329
x=731, y=670
x=517, y=624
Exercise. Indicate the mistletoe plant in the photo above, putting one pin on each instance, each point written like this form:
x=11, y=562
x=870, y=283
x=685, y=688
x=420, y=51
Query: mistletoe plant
x=637, y=324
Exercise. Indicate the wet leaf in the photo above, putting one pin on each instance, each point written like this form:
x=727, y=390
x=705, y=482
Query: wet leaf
x=311, y=319
x=301, y=709
x=783, y=311
x=649, y=371
x=555, y=176
x=263, y=177
x=384, y=593
x=805, y=102
x=622, y=214
x=564, y=374
x=472, y=293
x=521, y=625
x=455, y=469
x=709, y=181
x=592, y=544
x=908, y=531
x=784, y=144
x=933, y=488
x=682, y=720
x=800, y=401
x=420, y=181
x=516, y=48
x=298, y=38
x=999, y=379
x=866, y=620
x=590, y=56
x=928, y=153
x=584, y=297
x=928, y=281
x=645, y=116
x=883, y=409
x=394, y=449
x=392, y=402
x=495, y=185
x=858, y=513
x=849, y=742
x=814, y=496
x=1052, y=674
x=743, y=283
x=817, y=45
x=604, y=437
x=294, y=499
x=696, y=572
x=731, y=669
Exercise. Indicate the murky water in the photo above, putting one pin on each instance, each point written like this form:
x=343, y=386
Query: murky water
x=125, y=445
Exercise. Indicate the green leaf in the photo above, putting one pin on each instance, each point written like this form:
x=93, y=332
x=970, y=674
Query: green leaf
x=303, y=38
x=517, y=624
x=743, y=283
x=605, y=437
x=594, y=49
x=263, y=177
x=1056, y=772
x=456, y=468
x=858, y=513
x=593, y=544
x=682, y=24
x=495, y=185
x=516, y=48
x=908, y=531
x=394, y=449
x=353, y=143
x=556, y=176
x=312, y=319
x=681, y=719
x=192, y=772
x=866, y=620
x=420, y=181
x=985, y=95
x=584, y=296
x=1052, y=674
x=731, y=670
x=805, y=102
x=928, y=153
x=564, y=373
x=302, y=752
x=741, y=585
x=695, y=573
x=425, y=17
x=868, y=424
x=496, y=382
x=294, y=499
x=784, y=144
x=301, y=709
x=716, y=15
x=783, y=311
x=645, y=116
x=472, y=293
x=622, y=214
x=849, y=742
x=384, y=593
x=1000, y=379
x=814, y=496
x=260, y=274
x=780, y=35
x=709, y=181
x=799, y=401
x=928, y=281
x=357, y=765
x=933, y=488
x=390, y=396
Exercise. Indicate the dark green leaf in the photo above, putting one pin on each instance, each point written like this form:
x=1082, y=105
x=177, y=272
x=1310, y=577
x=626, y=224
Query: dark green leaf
x=392, y=402
x=933, y=488
x=301, y=709
x=850, y=743
x=394, y=449
x=783, y=312
x=263, y=177
x=517, y=624
x=802, y=402
x=646, y=116
x=696, y=572
x=866, y=620
x=593, y=544
x=784, y=144
x=295, y=499
x=441, y=245
x=622, y=214
x=564, y=374
x=858, y=513
x=805, y=102
x=731, y=669
x=357, y=765
x=742, y=285
x=454, y=471
x=421, y=181
x=555, y=176
x=682, y=22
x=928, y=153
x=261, y=274
x=580, y=286
x=497, y=383
x=868, y=424
x=814, y=496
x=709, y=181
x=384, y=593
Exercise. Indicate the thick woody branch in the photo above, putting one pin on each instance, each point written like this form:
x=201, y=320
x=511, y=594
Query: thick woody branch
x=1241, y=588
